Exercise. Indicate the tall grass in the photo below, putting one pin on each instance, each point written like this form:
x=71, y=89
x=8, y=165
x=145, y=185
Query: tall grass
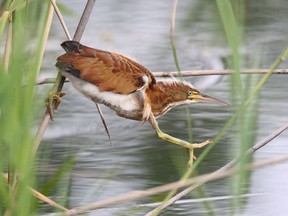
x=24, y=26
x=233, y=24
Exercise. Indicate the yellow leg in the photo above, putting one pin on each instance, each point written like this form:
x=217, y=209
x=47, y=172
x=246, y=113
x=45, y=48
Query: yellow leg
x=183, y=143
x=177, y=141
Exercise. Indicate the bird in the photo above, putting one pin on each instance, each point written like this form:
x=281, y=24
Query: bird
x=129, y=88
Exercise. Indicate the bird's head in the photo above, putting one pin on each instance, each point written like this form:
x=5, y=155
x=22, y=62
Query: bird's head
x=195, y=96
x=169, y=93
x=190, y=94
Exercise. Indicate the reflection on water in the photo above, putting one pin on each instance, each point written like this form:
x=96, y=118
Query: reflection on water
x=137, y=159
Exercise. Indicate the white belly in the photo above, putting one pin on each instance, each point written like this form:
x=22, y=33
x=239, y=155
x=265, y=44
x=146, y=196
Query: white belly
x=128, y=106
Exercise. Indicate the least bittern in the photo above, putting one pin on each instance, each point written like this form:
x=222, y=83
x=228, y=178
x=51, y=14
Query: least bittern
x=128, y=87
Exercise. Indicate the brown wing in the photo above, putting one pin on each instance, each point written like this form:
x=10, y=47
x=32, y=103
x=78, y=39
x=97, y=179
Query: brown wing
x=109, y=71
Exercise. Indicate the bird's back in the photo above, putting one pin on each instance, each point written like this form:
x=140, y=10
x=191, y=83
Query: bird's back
x=108, y=71
x=107, y=78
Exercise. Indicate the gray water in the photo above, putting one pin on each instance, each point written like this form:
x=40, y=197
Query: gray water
x=136, y=159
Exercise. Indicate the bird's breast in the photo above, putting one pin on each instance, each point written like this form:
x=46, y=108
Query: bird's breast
x=126, y=105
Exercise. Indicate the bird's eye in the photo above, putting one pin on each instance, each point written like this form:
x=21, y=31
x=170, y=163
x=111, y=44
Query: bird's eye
x=190, y=93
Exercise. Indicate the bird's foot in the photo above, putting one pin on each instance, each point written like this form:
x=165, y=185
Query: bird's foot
x=53, y=101
x=180, y=142
x=191, y=150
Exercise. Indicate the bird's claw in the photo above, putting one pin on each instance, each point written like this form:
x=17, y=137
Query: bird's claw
x=192, y=157
x=52, y=102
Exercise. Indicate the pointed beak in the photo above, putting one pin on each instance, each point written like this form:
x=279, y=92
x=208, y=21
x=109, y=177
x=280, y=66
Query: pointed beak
x=202, y=98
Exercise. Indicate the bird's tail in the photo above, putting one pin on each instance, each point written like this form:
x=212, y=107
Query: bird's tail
x=70, y=46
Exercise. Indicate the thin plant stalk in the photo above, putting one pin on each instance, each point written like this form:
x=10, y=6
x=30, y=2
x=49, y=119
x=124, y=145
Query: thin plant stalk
x=177, y=64
x=21, y=63
x=189, y=73
x=61, y=19
x=8, y=44
x=3, y=20
x=179, y=184
x=58, y=85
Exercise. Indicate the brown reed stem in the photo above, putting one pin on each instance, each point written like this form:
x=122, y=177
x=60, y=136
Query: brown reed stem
x=59, y=82
x=163, y=188
x=189, y=73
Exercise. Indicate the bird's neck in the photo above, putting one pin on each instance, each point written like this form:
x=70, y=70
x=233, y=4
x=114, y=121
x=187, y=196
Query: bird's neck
x=162, y=98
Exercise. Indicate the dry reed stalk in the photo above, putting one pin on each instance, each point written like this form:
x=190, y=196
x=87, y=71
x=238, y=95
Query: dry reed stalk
x=59, y=82
x=167, y=187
